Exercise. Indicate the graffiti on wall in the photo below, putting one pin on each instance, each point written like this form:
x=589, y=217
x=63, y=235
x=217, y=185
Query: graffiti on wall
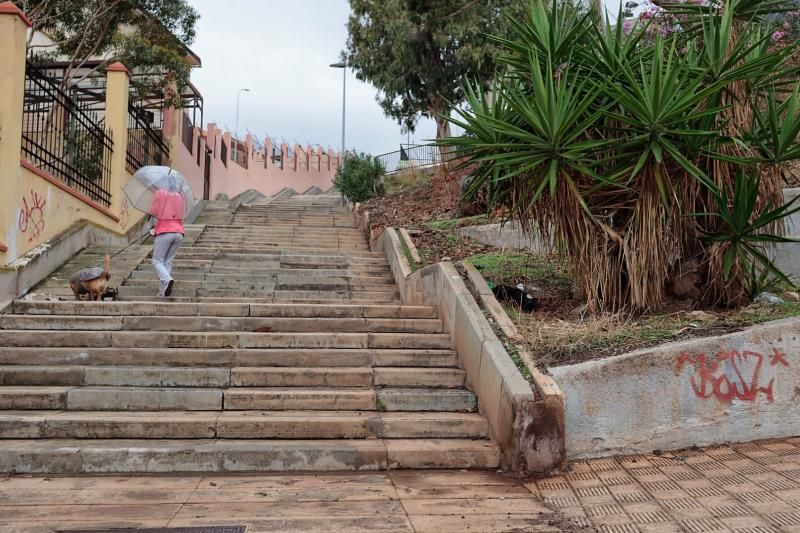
x=124, y=214
x=732, y=375
x=32, y=215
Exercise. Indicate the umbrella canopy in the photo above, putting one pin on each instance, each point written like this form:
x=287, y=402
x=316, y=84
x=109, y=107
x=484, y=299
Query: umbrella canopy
x=161, y=192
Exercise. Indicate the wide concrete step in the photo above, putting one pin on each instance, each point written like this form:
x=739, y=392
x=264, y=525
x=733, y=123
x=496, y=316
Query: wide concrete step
x=300, y=222
x=271, y=284
x=327, y=399
x=217, y=377
x=241, y=270
x=241, y=266
x=320, y=241
x=171, y=309
x=277, y=244
x=354, y=299
x=254, y=254
x=239, y=425
x=285, y=243
x=287, y=235
x=79, y=456
x=225, y=358
x=265, y=295
x=198, y=274
x=282, y=229
x=110, y=398
x=142, y=339
x=219, y=324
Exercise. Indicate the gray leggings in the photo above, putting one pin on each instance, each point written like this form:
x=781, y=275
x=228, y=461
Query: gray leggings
x=164, y=252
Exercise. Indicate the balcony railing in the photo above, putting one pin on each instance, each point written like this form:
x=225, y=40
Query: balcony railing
x=145, y=143
x=63, y=134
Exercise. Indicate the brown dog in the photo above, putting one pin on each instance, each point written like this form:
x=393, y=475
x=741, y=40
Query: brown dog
x=92, y=281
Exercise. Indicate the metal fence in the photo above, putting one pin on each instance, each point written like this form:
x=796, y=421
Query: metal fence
x=145, y=143
x=63, y=134
x=412, y=156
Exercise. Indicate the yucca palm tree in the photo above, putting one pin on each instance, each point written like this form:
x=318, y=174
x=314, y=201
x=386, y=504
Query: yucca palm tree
x=626, y=146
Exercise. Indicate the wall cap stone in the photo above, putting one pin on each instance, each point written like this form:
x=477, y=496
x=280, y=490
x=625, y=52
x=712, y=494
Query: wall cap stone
x=118, y=67
x=9, y=8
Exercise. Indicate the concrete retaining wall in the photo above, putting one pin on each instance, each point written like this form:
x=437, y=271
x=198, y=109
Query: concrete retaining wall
x=737, y=387
x=787, y=255
x=508, y=236
x=19, y=277
x=526, y=422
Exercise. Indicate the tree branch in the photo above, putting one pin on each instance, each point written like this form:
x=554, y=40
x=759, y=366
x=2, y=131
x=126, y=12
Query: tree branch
x=463, y=8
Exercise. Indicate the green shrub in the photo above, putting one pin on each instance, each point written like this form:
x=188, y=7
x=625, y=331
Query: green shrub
x=359, y=177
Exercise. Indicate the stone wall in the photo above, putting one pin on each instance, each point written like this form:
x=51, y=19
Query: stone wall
x=508, y=236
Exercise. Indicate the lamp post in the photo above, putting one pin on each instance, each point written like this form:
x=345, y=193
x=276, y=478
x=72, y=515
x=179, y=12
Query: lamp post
x=236, y=132
x=342, y=65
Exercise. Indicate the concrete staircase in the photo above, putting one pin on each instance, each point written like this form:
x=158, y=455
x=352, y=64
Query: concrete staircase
x=284, y=347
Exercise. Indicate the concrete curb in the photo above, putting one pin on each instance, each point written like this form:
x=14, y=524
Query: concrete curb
x=552, y=398
x=410, y=244
x=528, y=428
x=491, y=304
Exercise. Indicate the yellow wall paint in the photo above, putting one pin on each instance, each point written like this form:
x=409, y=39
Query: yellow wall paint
x=42, y=210
x=33, y=210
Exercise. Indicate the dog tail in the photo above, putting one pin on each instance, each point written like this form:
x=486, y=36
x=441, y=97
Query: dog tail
x=107, y=266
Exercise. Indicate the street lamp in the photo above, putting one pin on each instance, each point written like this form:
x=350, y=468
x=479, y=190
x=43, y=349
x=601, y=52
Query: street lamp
x=236, y=132
x=342, y=65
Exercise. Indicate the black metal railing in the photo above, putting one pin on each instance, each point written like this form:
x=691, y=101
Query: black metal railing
x=413, y=156
x=63, y=134
x=145, y=144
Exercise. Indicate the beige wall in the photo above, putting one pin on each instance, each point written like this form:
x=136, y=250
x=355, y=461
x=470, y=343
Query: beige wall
x=34, y=206
x=44, y=208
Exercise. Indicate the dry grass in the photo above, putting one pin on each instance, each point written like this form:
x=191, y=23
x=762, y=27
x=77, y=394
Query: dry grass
x=556, y=341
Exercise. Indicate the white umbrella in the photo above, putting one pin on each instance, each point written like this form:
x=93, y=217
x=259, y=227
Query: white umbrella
x=175, y=201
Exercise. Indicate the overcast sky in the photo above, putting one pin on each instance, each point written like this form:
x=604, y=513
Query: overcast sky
x=281, y=51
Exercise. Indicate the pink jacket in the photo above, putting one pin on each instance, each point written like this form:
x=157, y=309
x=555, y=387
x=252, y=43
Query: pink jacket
x=168, y=209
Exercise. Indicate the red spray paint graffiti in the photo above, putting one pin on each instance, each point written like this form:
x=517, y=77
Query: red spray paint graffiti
x=32, y=216
x=124, y=214
x=733, y=375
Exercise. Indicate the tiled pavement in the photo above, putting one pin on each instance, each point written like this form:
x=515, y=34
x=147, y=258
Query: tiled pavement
x=742, y=488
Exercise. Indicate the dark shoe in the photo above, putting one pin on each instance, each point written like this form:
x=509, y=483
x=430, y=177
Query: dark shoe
x=168, y=290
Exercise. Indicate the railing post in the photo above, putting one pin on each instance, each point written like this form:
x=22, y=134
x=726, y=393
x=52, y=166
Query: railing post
x=13, y=48
x=117, y=86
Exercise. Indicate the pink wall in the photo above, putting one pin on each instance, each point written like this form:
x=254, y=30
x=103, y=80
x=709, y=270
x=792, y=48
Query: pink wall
x=309, y=167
